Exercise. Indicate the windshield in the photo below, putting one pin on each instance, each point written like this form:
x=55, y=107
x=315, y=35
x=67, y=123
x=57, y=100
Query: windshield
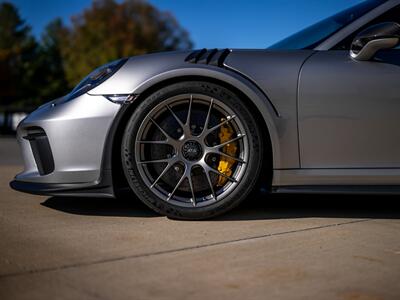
x=312, y=36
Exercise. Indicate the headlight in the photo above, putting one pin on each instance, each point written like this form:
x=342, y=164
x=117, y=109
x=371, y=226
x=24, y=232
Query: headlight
x=96, y=77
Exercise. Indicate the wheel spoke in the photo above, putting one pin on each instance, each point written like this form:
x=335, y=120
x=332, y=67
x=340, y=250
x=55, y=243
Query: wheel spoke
x=209, y=169
x=207, y=117
x=163, y=160
x=175, y=116
x=169, y=165
x=206, y=171
x=186, y=127
x=162, y=130
x=229, y=156
x=189, y=177
x=189, y=110
x=177, y=185
x=228, y=119
x=228, y=142
x=164, y=142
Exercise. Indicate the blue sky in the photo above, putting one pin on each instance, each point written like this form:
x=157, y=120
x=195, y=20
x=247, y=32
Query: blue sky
x=218, y=23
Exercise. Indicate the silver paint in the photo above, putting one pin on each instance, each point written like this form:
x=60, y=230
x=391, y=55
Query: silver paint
x=76, y=131
x=349, y=116
x=332, y=120
x=276, y=73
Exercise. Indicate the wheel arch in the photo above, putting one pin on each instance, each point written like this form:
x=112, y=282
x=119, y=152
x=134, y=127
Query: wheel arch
x=258, y=104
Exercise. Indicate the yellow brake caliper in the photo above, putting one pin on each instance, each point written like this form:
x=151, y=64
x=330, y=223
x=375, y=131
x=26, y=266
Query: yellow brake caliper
x=226, y=163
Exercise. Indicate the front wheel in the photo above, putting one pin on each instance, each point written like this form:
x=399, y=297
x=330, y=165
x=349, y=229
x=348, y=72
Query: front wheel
x=192, y=150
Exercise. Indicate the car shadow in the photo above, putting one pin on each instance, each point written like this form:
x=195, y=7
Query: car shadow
x=120, y=207
x=292, y=206
x=258, y=207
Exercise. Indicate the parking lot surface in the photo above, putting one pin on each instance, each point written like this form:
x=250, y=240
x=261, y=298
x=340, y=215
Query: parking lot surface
x=273, y=247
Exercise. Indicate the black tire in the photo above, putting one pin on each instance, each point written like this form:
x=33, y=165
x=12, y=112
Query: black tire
x=242, y=187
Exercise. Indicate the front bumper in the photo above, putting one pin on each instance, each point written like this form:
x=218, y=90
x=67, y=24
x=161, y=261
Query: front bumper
x=62, y=146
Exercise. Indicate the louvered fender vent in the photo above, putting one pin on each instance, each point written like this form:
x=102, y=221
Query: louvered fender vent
x=212, y=57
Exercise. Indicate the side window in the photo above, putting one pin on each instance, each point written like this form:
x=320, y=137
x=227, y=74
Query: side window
x=392, y=15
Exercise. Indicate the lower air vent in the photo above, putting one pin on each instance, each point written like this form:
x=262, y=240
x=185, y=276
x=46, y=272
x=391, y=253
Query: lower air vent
x=212, y=57
x=41, y=150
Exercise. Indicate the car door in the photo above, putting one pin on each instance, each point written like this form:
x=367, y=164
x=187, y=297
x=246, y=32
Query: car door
x=349, y=111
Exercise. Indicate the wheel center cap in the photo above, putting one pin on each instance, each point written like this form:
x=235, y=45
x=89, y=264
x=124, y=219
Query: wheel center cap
x=192, y=150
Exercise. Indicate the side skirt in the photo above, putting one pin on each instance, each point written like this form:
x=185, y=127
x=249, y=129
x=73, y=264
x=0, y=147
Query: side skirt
x=336, y=177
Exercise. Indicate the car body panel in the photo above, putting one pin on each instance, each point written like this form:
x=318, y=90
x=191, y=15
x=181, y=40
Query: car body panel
x=77, y=133
x=138, y=69
x=349, y=116
x=276, y=73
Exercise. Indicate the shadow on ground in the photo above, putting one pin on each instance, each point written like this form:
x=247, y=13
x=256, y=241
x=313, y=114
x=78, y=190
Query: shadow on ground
x=100, y=207
x=259, y=208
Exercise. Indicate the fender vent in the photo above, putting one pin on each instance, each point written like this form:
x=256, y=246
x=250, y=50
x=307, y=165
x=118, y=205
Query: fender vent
x=212, y=57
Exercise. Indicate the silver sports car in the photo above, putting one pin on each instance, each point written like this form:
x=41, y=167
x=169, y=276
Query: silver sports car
x=192, y=133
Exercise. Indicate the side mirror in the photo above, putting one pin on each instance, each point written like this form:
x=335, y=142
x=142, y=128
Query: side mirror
x=369, y=41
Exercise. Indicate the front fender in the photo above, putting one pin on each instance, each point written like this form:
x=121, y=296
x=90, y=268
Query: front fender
x=142, y=73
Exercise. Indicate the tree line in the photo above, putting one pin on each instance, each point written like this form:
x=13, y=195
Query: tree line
x=36, y=70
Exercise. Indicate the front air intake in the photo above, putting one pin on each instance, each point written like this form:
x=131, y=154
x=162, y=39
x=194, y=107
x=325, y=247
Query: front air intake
x=41, y=150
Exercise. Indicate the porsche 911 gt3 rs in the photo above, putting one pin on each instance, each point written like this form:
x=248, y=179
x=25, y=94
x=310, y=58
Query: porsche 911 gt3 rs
x=192, y=133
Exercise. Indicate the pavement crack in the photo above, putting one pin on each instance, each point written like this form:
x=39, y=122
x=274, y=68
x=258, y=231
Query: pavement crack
x=177, y=250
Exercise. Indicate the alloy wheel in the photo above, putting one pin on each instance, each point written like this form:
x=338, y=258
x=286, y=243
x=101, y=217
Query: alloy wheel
x=191, y=150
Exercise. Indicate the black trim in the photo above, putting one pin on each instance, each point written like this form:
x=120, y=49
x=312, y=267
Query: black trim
x=92, y=189
x=194, y=56
x=111, y=159
x=339, y=189
x=108, y=147
x=212, y=57
x=41, y=150
x=219, y=58
x=206, y=57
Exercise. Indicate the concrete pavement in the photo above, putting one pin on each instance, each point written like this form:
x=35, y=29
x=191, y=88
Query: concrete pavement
x=276, y=247
x=9, y=152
